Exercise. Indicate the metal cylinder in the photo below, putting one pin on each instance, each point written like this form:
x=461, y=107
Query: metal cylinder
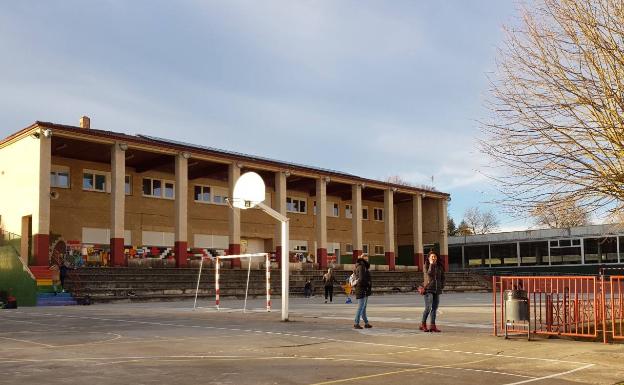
x=516, y=305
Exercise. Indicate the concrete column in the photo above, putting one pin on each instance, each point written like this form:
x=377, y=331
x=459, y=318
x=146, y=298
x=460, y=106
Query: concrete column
x=321, y=222
x=443, y=223
x=280, y=207
x=118, y=204
x=356, y=220
x=41, y=214
x=389, y=227
x=181, y=209
x=234, y=216
x=417, y=228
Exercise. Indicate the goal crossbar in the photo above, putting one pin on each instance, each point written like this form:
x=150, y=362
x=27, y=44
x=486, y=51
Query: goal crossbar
x=217, y=277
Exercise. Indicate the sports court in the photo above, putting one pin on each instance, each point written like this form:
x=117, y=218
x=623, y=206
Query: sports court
x=149, y=343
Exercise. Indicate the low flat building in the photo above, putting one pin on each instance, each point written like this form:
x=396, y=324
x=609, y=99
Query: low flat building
x=584, y=248
x=110, y=198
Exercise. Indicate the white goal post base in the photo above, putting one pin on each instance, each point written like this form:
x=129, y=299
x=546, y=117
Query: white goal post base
x=217, y=278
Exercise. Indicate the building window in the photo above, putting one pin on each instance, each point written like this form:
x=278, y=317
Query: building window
x=348, y=248
x=314, y=207
x=158, y=188
x=210, y=194
x=348, y=214
x=365, y=248
x=378, y=214
x=365, y=213
x=295, y=205
x=59, y=178
x=202, y=194
x=379, y=250
x=128, y=185
x=169, y=190
x=93, y=181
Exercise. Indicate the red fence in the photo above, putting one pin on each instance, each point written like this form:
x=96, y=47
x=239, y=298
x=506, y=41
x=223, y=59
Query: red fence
x=575, y=306
x=617, y=307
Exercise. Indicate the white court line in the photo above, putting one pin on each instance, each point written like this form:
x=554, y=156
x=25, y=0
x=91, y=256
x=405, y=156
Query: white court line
x=28, y=342
x=552, y=375
x=586, y=365
x=121, y=360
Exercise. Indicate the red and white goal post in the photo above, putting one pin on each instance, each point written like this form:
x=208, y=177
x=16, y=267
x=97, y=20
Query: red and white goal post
x=218, y=260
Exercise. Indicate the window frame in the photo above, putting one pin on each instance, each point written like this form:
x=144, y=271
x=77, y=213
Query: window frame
x=217, y=194
x=377, y=210
x=163, y=188
x=55, y=171
x=379, y=247
x=201, y=193
x=298, y=199
x=365, y=210
x=128, y=183
x=94, y=174
x=348, y=211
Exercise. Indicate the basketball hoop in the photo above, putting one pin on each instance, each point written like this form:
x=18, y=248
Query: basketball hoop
x=249, y=192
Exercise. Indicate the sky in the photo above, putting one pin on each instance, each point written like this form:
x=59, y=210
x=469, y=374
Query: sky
x=372, y=88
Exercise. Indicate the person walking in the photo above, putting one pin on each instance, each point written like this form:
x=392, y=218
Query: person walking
x=363, y=285
x=433, y=285
x=328, y=282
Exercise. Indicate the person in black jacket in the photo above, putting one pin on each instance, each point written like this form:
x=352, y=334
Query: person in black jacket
x=328, y=283
x=363, y=288
x=433, y=284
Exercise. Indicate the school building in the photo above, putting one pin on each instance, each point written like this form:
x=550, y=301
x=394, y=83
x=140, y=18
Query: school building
x=113, y=198
x=583, y=249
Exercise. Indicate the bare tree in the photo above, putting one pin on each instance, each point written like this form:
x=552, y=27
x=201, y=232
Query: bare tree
x=479, y=222
x=565, y=214
x=557, y=107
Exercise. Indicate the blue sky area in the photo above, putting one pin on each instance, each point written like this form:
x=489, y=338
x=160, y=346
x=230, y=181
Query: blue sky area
x=373, y=88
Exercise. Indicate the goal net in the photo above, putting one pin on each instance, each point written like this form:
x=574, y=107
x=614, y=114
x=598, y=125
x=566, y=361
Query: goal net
x=218, y=259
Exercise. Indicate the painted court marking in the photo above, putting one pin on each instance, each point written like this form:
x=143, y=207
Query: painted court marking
x=585, y=365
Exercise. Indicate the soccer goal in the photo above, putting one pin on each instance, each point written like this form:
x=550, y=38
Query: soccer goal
x=218, y=260
x=249, y=192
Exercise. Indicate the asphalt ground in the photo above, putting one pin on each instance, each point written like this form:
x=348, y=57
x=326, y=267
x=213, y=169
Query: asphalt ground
x=169, y=342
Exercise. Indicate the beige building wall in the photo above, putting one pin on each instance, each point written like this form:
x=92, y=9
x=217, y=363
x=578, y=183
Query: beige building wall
x=19, y=184
x=431, y=224
x=75, y=209
x=404, y=223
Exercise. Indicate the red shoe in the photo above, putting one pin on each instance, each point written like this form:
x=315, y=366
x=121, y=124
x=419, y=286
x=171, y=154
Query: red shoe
x=434, y=329
x=423, y=327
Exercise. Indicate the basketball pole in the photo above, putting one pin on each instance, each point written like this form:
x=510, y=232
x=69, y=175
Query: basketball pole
x=285, y=262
